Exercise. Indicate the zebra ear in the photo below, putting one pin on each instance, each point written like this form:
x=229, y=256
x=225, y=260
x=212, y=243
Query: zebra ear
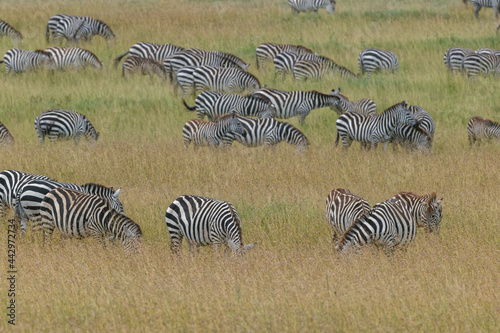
x=432, y=199
x=404, y=104
x=117, y=193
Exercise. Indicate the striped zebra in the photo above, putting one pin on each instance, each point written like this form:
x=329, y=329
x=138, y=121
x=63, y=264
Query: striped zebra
x=9, y=31
x=424, y=120
x=478, y=4
x=373, y=129
x=477, y=64
x=266, y=132
x=73, y=57
x=215, y=104
x=183, y=82
x=5, y=137
x=97, y=27
x=481, y=129
x=364, y=106
x=317, y=69
x=267, y=51
x=79, y=215
x=227, y=80
x=204, y=221
x=157, y=52
x=20, y=61
x=210, y=133
x=73, y=29
x=453, y=58
x=284, y=62
x=393, y=223
x=412, y=138
x=62, y=124
x=486, y=50
x=311, y=6
x=342, y=209
x=296, y=103
x=145, y=66
x=373, y=60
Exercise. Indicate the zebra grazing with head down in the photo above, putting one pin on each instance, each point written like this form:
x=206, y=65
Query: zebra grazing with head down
x=311, y=6
x=97, y=27
x=482, y=129
x=284, y=62
x=266, y=132
x=227, y=80
x=20, y=61
x=73, y=29
x=214, y=104
x=9, y=31
x=412, y=138
x=79, y=215
x=73, y=57
x=5, y=137
x=364, y=106
x=296, y=103
x=267, y=51
x=210, y=133
x=204, y=221
x=342, y=209
x=477, y=64
x=373, y=129
x=63, y=124
x=393, y=223
x=157, y=52
x=317, y=69
x=373, y=60
x=478, y=4
x=453, y=58
x=424, y=120
x=145, y=66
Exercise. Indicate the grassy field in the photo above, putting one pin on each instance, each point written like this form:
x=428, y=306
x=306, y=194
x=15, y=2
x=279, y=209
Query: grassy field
x=292, y=280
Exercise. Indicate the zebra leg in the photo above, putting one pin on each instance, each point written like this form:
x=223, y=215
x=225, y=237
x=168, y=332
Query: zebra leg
x=477, y=8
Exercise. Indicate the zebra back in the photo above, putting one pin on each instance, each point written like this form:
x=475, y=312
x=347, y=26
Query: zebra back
x=479, y=129
x=453, y=58
x=267, y=51
x=73, y=29
x=23, y=60
x=107, y=193
x=363, y=106
x=157, y=52
x=298, y=6
x=229, y=80
x=9, y=31
x=372, y=60
x=98, y=27
x=73, y=57
x=486, y=50
x=210, y=133
x=145, y=66
x=477, y=64
x=5, y=137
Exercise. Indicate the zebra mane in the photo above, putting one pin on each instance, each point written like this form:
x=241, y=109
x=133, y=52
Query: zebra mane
x=303, y=48
x=42, y=52
x=221, y=117
x=352, y=226
x=346, y=69
x=257, y=98
x=491, y=123
x=238, y=221
x=98, y=186
x=326, y=59
x=394, y=106
x=91, y=54
x=290, y=127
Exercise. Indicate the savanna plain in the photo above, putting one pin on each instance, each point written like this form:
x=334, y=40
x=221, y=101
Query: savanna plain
x=293, y=280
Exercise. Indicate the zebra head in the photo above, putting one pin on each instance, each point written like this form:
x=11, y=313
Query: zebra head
x=404, y=114
x=337, y=106
x=131, y=235
x=330, y=8
x=235, y=125
x=241, y=249
x=269, y=112
x=433, y=214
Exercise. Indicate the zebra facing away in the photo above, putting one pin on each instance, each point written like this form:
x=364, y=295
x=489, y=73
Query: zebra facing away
x=73, y=57
x=145, y=66
x=481, y=64
x=478, y=4
x=5, y=137
x=373, y=129
x=80, y=215
x=73, y=29
x=157, y=52
x=227, y=80
x=481, y=129
x=20, y=61
x=364, y=106
x=266, y=132
x=373, y=60
x=63, y=124
x=317, y=69
x=267, y=51
x=9, y=31
x=486, y=50
x=311, y=6
x=204, y=221
x=453, y=58
x=97, y=27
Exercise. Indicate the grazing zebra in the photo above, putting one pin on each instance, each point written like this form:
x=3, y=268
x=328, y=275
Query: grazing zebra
x=5, y=137
x=364, y=106
x=412, y=138
x=73, y=29
x=393, y=223
x=204, y=221
x=62, y=124
x=145, y=66
x=73, y=57
x=284, y=62
x=97, y=27
x=342, y=209
x=9, y=31
x=23, y=61
x=311, y=6
x=79, y=215
x=453, y=58
x=486, y=50
x=373, y=60
x=210, y=133
x=424, y=120
x=478, y=4
x=372, y=129
x=317, y=69
x=183, y=83
x=157, y=52
x=267, y=51
x=476, y=64
x=266, y=132
x=296, y=103
x=228, y=80
x=479, y=129
x=214, y=104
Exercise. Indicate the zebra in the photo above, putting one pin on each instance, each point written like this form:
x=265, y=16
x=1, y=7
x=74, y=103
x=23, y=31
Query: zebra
x=485, y=50
x=145, y=66
x=183, y=83
x=478, y=4
x=311, y=6
x=342, y=209
x=79, y=215
x=228, y=80
x=284, y=62
x=268, y=132
x=296, y=103
x=393, y=223
x=412, y=138
x=479, y=129
x=5, y=137
x=317, y=69
x=476, y=64
x=364, y=106
x=267, y=51
x=157, y=52
x=372, y=60
x=63, y=124
x=97, y=27
x=372, y=129
x=204, y=221
x=424, y=120
x=208, y=133
x=9, y=31
x=453, y=58
x=73, y=29
x=73, y=57
x=214, y=104
x=20, y=61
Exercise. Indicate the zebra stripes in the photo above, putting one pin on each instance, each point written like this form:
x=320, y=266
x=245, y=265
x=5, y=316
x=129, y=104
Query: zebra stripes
x=311, y=6
x=204, y=221
x=73, y=29
x=284, y=62
x=424, y=120
x=426, y=209
x=364, y=106
x=20, y=61
x=97, y=27
x=412, y=138
x=183, y=83
x=317, y=69
x=373, y=60
x=157, y=52
x=73, y=57
x=79, y=215
x=267, y=51
x=481, y=129
x=478, y=4
x=63, y=124
x=453, y=58
x=5, y=137
x=477, y=64
x=145, y=66
x=228, y=80
x=486, y=50
x=9, y=31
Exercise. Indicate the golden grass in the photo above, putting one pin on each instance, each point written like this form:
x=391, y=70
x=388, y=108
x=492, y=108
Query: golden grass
x=292, y=280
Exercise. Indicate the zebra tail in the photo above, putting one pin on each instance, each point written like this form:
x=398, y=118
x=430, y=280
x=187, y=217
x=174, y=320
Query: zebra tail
x=120, y=57
x=188, y=107
x=337, y=139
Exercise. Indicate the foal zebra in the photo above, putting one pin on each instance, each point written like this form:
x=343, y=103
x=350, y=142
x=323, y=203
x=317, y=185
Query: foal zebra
x=73, y=57
x=157, y=52
x=311, y=6
x=79, y=215
x=228, y=80
x=204, y=221
x=267, y=51
x=73, y=29
x=453, y=58
x=145, y=66
x=20, y=61
x=62, y=124
x=479, y=129
x=5, y=137
x=372, y=60
x=364, y=106
x=9, y=31
x=97, y=27
x=476, y=64
x=478, y=4
x=317, y=69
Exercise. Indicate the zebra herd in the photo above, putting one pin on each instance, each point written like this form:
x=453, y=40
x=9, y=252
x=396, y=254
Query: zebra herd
x=484, y=61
